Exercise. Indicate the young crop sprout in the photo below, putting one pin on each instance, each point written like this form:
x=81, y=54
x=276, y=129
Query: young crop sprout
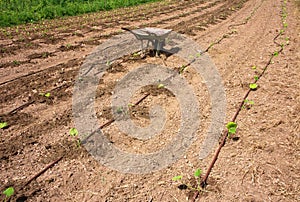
x=253, y=86
x=197, y=187
x=47, y=95
x=182, y=68
x=231, y=127
x=248, y=104
x=8, y=193
x=160, y=85
x=120, y=110
x=3, y=125
x=131, y=105
x=74, y=134
x=276, y=53
x=108, y=63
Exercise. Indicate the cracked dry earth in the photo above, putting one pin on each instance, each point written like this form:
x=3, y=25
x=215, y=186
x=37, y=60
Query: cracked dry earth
x=260, y=164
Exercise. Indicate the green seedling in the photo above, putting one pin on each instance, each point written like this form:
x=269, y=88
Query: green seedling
x=74, y=134
x=160, y=85
x=176, y=178
x=287, y=40
x=254, y=67
x=108, y=63
x=253, y=86
x=16, y=62
x=249, y=101
x=191, y=56
x=182, y=68
x=135, y=54
x=276, y=53
x=281, y=31
x=231, y=126
x=47, y=95
x=131, y=105
x=256, y=78
x=68, y=46
x=285, y=25
x=248, y=104
x=3, y=125
x=119, y=110
x=8, y=193
x=197, y=175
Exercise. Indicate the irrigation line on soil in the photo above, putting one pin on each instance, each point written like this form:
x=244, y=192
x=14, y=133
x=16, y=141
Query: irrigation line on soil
x=41, y=172
x=225, y=133
x=36, y=72
x=39, y=71
x=36, y=176
x=248, y=18
x=27, y=104
x=20, y=107
x=109, y=122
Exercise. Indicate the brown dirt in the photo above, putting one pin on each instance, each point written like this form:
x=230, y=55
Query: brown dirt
x=262, y=165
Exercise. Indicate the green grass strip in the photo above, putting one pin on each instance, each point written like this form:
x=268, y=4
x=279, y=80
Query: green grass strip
x=15, y=12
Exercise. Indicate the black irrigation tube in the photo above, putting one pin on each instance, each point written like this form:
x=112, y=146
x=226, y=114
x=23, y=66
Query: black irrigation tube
x=36, y=72
x=30, y=102
x=106, y=124
x=249, y=17
x=225, y=132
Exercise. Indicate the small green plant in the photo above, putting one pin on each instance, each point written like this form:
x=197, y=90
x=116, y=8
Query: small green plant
x=198, y=55
x=197, y=175
x=8, y=193
x=47, y=95
x=108, y=63
x=253, y=86
x=181, y=69
x=3, y=125
x=74, y=134
x=256, y=78
x=16, y=62
x=131, y=105
x=120, y=110
x=160, y=85
x=68, y=46
x=281, y=31
x=176, y=178
x=136, y=54
x=287, y=40
x=276, y=53
x=248, y=104
x=231, y=127
x=254, y=67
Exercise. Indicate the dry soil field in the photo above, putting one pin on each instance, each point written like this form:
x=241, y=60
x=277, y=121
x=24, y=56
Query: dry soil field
x=259, y=163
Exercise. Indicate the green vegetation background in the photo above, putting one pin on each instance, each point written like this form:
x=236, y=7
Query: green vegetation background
x=15, y=12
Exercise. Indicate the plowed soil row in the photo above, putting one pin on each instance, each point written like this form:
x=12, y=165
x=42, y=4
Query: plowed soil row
x=263, y=165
